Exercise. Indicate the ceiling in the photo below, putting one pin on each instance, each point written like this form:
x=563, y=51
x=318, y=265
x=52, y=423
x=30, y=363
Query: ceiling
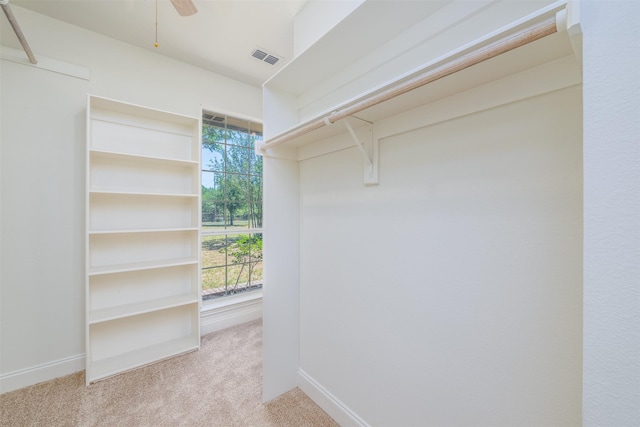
x=220, y=37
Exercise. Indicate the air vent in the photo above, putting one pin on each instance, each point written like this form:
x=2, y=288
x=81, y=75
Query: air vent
x=270, y=59
x=265, y=56
x=259, y=54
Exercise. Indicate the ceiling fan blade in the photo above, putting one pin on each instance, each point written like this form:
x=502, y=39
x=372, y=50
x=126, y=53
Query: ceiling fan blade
x=184, y=7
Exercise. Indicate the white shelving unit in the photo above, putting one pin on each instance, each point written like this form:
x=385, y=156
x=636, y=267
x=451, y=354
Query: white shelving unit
x=142, y=240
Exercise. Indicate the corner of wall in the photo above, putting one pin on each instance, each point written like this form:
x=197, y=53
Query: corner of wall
x=316, y=19
x=341, y=413
x=611, y=351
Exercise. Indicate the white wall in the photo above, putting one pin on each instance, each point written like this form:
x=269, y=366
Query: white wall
x=611, y=213
x=451, y=293
x=316, y=18
x=43, y=157
x=280, y=310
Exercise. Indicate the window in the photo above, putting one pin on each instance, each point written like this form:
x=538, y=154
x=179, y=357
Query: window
x=231, y=206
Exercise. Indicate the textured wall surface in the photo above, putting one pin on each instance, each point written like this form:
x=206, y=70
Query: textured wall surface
x=611, y=388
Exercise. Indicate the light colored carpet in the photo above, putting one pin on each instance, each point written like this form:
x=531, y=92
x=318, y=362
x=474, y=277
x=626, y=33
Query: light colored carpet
x=219, y=385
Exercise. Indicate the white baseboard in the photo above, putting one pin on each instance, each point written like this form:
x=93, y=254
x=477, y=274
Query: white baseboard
x=40, y=373
x=214, y=317
x=231, y=312
x=328, y=402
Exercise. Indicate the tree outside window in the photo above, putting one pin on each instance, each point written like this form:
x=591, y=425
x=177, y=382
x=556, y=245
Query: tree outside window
x=231, y=206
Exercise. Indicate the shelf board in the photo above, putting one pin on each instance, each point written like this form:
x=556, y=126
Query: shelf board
x=127, y=310
x=149, y=265
x=101, y=103
x=143, y=230
x=296, y=96
x=104, y=368
x=139, y=194
x=544, y=51
x=138, y=157
x=304, y=72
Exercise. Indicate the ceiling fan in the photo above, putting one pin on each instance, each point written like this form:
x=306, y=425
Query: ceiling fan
x=184, y=7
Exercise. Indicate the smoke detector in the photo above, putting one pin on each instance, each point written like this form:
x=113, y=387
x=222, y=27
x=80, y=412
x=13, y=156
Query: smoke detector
x=265, y=56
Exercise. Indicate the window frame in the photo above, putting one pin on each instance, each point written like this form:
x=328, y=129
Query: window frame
x=242, y=298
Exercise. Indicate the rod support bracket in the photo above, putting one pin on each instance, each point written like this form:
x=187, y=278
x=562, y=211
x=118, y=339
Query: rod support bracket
x=368, y=149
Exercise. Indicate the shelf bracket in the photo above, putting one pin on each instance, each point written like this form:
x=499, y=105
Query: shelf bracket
x=368, y=149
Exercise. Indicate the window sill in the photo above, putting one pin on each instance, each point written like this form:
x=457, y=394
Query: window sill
x=230, y=311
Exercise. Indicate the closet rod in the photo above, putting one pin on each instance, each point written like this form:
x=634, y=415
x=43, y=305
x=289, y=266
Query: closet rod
x=16, y=29
x=527, y=35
